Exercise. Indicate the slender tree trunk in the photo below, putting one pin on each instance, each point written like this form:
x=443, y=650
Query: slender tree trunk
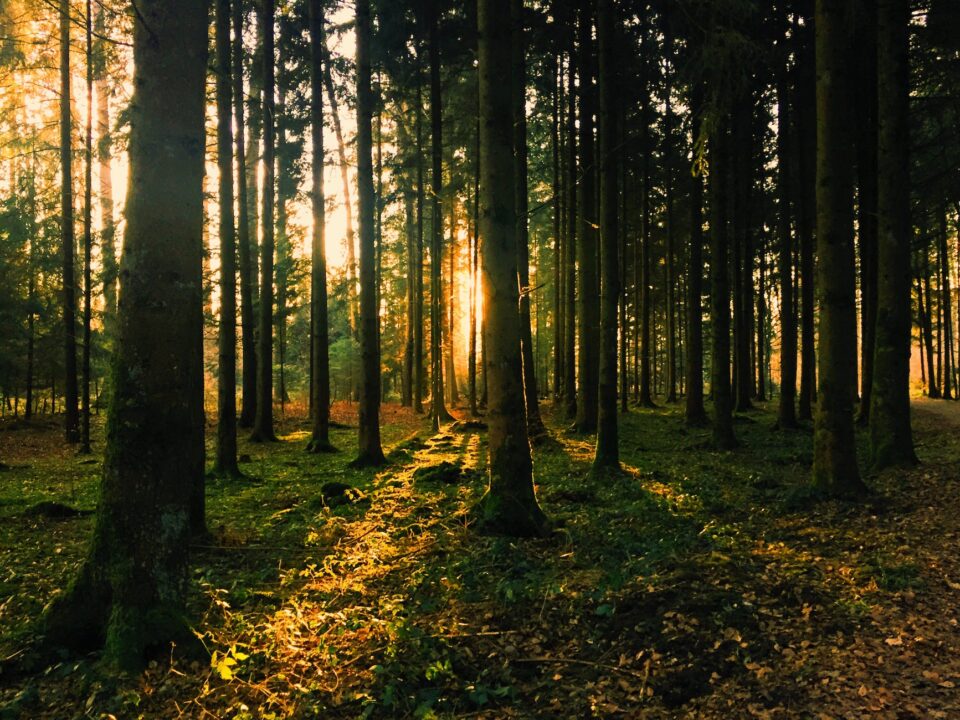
x=570, y=246
x=418, y=369
x=87, y=240
x=535, y=426
x=891, y=441
x=130, y=593
x=694, y=409
x=320, y=439
x=557, y=207
x=945, y=304
x=369, y=453
x=450, y=306
x=248, y=408
x=438, y=411
x=834, y=448
x=607, y=453
x=72, y=419
x=720, y=389
x=671, y=280
x=645, y=398
x=510, y=505
x=410, y=234
x=787, y=405
x=226, y=461
x=263, y=421
x=31, y=279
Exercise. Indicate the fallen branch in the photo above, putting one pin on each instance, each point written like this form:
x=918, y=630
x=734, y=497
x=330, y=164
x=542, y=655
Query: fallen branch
x=587, y=663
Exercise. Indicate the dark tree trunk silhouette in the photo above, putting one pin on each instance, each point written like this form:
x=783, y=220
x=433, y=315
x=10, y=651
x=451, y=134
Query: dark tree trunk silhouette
x=369, y=453
x=510, y=506
x=694, y=410
x=787, y=404
x=129, y=594
x=87, y=240
x=891, y=440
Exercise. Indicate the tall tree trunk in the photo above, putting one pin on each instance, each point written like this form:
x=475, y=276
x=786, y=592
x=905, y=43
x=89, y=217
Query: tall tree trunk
x=263, y=421
x=694, y=409
x=557, y=206
x=474, y=272
x=31, y=278
x=410, y=234
x=226, y=461
x=926, y=327
x=607, y=453
x=787, y=405
x=87, y=239
x=450, y=306
x=865, y=41
x=742, y=256
x=345, y=180
x=510, y=505
x=945, y=304
x=129, y=595
x=891, y=440
x=834, y=447
x=570, y=246
x=320, y=439
x=247, y=251
x=671, y=280
x=419, y=381
x=720, y=389
x=369, y=452
x=438, y=410
x=645, y=398
x=72, y=418
x=535, y=426
x=283, y=257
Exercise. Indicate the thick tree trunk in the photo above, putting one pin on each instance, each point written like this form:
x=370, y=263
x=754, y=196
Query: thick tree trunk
x=247, y=252
x=607, y=453
x=263, y=421
x=320, y=439
x=69, y=282
x=835, y=469
x=891, y=440
x=369, y=453
x=226, y=460
x=510, y=505
x=535, y=426
x=129, y=595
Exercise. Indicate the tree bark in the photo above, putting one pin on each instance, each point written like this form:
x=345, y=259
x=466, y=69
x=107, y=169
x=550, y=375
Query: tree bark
x=263, y=421
x=891, y=440
x=87, y=240
x=69, y=282
x=835, y=469
x=129, y=595
x=607, y=453
x=694, y=410
x=570, y=246
x=787, y=404
x=509, y=506
x=370, y=452
x=226, y=460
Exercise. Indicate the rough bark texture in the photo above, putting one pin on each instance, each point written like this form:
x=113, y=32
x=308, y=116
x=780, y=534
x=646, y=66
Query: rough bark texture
x=320, y=440
x=129, y=594
x=108, y=249
x=226, y=461
x=834, y=449
x=607, y=453
x=510, y=505
x=891, y=441
x=263, y=421
x=369, y=451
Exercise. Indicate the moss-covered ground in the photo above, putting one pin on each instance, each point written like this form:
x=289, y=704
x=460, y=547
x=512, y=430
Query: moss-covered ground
x=693, y=584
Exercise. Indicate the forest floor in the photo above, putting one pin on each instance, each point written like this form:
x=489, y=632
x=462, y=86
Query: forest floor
x=694, y=584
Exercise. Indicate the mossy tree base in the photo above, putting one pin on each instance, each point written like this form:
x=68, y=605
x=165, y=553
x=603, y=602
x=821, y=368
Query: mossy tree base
x=510, y=516
x=321, y=446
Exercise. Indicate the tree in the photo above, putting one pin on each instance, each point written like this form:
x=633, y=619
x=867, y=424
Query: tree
x=320, y=441
x=247, y=249
x=370, y=453
x=509, y=506
x=87, y=240
x=607, y=453
x=129, y=595
x=787, y=404
x=72, y=417
x=226, y=460
x=891, y=441
x=263, y=421
x=835, y=469
x=694, y=409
